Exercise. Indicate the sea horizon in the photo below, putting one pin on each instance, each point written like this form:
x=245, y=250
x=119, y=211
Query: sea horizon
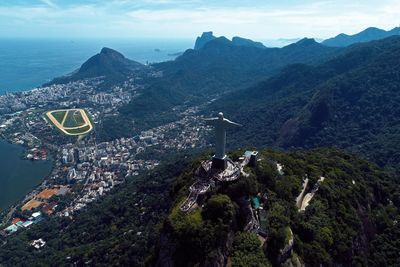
x=28, y=63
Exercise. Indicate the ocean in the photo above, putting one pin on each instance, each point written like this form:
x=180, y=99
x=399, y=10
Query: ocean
x=28, y=63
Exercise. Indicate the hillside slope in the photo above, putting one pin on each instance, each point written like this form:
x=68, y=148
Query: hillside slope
x=347, y=222
x=350, y=101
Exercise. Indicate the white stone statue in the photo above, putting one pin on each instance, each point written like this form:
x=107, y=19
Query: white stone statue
x=220, y=125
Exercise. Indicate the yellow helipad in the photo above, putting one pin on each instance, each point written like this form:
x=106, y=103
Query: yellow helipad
x=71, y=121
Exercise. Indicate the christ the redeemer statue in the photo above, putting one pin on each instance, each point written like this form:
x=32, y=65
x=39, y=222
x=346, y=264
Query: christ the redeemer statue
x=220, y=124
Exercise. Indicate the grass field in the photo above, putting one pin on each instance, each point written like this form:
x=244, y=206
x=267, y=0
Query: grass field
x=71, y=121
x=59, y=115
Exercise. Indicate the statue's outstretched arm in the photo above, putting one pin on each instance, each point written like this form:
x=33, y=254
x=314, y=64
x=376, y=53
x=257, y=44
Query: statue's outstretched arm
x=230, y=124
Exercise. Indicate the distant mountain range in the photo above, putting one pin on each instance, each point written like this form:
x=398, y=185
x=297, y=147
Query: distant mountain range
x=369, y=34
x=206, y=37
x=341, y=40
x=240, y=52
x=218, y=67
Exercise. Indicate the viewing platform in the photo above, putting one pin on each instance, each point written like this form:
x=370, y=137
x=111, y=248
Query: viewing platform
x=207, y=177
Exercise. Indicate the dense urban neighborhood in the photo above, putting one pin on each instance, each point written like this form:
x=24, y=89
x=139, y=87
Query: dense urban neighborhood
x=85, y=167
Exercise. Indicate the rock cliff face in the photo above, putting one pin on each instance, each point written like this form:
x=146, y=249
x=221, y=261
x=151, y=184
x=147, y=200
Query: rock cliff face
x=222, y=253
x=203, y=39
x=167, y=250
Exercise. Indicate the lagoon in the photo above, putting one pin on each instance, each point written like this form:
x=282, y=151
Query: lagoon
x=18, y=176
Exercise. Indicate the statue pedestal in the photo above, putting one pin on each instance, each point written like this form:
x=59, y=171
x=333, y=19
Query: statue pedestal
x=253, y=158
x=218, y=163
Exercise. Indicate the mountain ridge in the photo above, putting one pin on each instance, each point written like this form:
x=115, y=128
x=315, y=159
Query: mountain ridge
x=369, y=34
x=239, y=41
x=206, y=37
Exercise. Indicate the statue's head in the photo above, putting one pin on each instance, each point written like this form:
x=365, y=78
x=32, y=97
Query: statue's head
x=220, y=115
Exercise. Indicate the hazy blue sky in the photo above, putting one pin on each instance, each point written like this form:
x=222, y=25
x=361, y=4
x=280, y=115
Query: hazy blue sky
x=267, y=19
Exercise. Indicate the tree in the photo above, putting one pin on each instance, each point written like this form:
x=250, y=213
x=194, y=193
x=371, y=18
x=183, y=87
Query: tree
x=247, y=251
x=219, y=208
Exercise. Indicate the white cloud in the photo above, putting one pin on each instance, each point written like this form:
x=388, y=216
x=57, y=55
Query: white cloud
x=178, y=18
x=49, y=3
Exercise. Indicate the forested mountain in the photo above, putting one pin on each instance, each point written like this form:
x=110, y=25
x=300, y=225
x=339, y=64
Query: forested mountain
x=109, y=63
x=223, y=66
x=218, y=67
x=351, y=101
x=363, y=201
x=369, y=34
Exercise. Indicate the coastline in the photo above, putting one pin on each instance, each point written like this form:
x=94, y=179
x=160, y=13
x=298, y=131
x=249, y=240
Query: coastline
x=91, y=168
x=75, y=52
